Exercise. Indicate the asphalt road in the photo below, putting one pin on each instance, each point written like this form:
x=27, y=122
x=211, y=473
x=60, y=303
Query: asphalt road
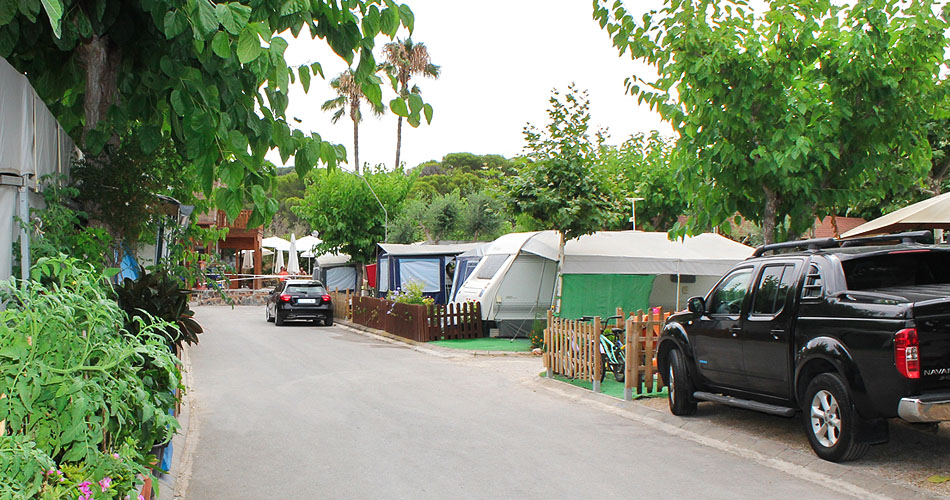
x=315, y=412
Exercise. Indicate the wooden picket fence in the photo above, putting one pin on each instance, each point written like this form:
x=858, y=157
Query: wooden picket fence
x=572, y=349
x=642, y=331
x=455, y=321
x=342, y=304
x=418, y=322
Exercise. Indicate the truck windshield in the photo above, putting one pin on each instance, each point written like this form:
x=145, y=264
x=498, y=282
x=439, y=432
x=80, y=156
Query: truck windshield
x=897, y=269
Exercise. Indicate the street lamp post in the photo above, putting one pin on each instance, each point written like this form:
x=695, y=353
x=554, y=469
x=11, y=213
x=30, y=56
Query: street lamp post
x=633, y=204
x=385, y=212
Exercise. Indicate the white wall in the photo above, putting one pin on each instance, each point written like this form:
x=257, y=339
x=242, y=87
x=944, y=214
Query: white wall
x=664, y=291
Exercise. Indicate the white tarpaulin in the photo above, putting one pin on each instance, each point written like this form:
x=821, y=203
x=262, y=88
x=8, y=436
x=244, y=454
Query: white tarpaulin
x=420, y=270
x=638, y=252
x=341, y=278
x=32, y=145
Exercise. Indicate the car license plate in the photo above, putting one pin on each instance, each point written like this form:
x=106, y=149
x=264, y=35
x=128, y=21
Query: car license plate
x=307, y=301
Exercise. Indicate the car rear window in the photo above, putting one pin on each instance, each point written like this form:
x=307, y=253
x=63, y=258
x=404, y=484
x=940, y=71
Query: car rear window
x=307, y=288
x=897, y=269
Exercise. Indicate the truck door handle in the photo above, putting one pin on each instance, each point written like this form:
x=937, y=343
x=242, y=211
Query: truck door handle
x=776, y=334
x=735, y=330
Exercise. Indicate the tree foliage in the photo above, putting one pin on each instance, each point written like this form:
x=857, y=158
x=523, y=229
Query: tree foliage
x=345, y=213
x=793, y=113
x=559, y=185
x=349, y=99
x=646, y=166
x=404, y=59
x=210, y=76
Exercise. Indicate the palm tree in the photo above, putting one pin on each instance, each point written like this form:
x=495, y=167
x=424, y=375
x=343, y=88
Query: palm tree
x=349, y=98
x=405, y=59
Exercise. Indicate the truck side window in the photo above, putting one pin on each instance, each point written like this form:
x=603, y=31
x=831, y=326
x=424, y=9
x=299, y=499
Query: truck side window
x=727, y=299
x=772, y=290
x=814, y=285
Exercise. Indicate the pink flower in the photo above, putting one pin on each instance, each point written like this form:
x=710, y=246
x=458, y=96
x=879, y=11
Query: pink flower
x=104, y=484
x=85, y=490
x=141, y=497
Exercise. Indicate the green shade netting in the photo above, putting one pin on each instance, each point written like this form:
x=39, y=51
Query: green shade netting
x=602, y=294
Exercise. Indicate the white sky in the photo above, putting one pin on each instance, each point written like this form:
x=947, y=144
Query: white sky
x=499, y=61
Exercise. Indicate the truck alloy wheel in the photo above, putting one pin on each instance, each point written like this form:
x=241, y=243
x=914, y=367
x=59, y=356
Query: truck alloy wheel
x=830, y=420
x=679, y=386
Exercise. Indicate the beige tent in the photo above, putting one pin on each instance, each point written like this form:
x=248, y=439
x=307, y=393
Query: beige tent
x=933, y=213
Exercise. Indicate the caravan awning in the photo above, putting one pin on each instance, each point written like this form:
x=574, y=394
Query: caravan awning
x=541, y=243
x=638, y=252
x=454, y=249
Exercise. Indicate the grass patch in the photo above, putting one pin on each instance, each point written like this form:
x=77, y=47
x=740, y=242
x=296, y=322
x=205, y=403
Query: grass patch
x=610, y=387
x=487, y=344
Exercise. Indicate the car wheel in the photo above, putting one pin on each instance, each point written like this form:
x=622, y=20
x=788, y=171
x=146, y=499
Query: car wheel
x=278, y=319
x=328, y=321
x=267, y=315
x=830, y=420
x=680, y=389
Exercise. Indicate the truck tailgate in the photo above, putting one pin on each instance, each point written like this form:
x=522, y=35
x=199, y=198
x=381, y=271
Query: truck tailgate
x=933, y=332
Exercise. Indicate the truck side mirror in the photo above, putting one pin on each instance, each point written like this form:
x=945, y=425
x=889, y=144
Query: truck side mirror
x=696, y=305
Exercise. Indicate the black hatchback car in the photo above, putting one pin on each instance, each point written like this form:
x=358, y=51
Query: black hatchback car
x=299, y=300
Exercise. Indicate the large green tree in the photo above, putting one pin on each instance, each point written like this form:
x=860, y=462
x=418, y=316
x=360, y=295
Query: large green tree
x=403, y=60
x=344, y=209
x=211, y=76
x=799, y=111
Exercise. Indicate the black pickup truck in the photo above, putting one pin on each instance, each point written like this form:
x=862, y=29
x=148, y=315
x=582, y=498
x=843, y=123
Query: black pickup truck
x=849, y=333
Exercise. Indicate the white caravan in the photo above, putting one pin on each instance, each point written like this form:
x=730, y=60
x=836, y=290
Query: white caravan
x=514, y=282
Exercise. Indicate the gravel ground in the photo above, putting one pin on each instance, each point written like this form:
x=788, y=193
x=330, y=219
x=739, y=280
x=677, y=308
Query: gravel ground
x=912, y=455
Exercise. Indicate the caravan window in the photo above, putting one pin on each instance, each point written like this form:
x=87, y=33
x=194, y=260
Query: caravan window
x=425, y=271
x=490, y=265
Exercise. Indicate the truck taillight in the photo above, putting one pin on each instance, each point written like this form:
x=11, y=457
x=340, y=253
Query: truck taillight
x=285, y=297
x=906, y=353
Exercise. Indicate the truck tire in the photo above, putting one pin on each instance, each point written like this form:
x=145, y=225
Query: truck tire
x=830, y=420
x=680, y=389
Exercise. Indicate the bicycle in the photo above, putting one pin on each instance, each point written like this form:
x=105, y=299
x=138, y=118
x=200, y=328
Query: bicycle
x=612, y=349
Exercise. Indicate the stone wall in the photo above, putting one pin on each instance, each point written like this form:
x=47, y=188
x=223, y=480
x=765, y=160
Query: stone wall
x=240, y=297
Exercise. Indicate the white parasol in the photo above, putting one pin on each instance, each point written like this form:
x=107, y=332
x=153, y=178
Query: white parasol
x=278, y=261
x=293, y=267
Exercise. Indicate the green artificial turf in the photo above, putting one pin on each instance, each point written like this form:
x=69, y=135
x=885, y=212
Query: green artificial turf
x=487, y=344
x=610, y=387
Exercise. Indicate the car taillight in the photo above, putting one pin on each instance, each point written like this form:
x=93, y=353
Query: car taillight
x=285, y=297
x=326, y=298
x=906, y=355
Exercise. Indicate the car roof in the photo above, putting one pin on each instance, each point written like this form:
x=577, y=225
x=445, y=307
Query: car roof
x=847, y=253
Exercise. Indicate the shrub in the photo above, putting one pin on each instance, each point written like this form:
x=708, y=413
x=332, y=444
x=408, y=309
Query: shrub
x=81, y=392
x=537, y=333
x=411, y=293
x=159, y=295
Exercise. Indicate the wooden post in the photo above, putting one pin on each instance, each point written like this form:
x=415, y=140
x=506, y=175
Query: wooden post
x=546, y=354
x=598, y=360
x=629, y=363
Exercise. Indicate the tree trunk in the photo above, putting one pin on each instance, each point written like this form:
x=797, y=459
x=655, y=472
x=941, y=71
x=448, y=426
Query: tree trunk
x=768, y=218
x=99, y=58
x=560, y=266
x=360, y=272
x=398, y=139
x=356, y=146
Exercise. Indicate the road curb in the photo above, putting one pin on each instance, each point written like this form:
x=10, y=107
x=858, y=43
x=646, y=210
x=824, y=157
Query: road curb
x=764, y=451
x=444, y=352
x=174, y=484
